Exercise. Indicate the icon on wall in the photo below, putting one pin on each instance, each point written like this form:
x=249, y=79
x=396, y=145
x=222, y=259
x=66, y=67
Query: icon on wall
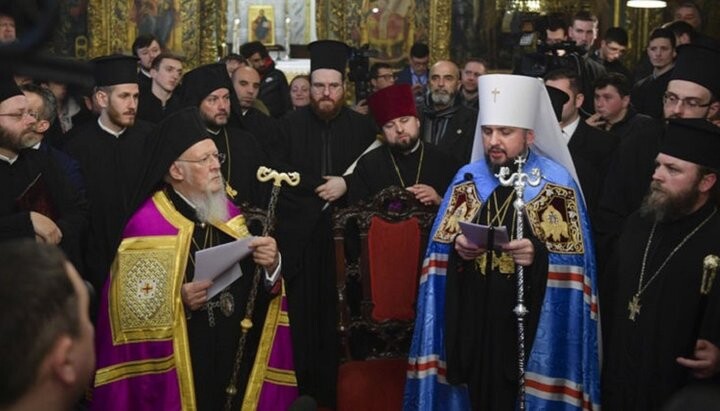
x=261, y=24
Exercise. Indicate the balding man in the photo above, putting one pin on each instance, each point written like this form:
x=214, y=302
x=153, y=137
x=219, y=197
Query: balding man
x=446, y=124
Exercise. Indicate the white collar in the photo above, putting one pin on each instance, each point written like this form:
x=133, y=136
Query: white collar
x=569, y=130
x=215, y=133
x=111, y=132
x=8, y=159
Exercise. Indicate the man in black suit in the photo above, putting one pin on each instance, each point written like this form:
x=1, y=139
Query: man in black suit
x=416, y=73
x=445, y=122
x=591, y=149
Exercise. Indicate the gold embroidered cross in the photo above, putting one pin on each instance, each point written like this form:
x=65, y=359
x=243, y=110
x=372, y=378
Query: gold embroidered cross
x=495, y=93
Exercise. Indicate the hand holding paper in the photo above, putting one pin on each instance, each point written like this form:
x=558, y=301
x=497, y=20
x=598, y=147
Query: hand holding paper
x=265, y=252
x=220, y=264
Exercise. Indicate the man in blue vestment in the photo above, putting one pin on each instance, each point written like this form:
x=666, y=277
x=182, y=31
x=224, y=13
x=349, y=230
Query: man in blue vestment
x=464, y=351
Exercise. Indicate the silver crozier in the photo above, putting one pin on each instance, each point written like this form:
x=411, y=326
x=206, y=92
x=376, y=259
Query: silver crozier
x=518, y=181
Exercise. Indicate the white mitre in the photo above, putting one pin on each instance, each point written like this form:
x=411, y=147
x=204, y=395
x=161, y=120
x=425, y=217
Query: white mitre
x=521, y=101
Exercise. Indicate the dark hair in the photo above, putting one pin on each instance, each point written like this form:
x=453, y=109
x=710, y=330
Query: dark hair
x=564, y=73
x=689, y=4
x=556, y=22
x=478, y=60
x=49, y=103
x=39, y=304
x=142, y=41
x=583, y=15
x=419, y=50
x=715, y=189
x=617, y=80
x=661, y=33
x=375, y=69
x=165, y=55
x=616, y=35
x=234, y=57
x=680, y=27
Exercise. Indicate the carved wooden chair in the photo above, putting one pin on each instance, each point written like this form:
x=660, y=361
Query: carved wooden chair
x=379, y=246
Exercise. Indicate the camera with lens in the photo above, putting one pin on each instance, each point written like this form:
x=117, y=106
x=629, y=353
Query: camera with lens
x=359, y=64
x=549, y=57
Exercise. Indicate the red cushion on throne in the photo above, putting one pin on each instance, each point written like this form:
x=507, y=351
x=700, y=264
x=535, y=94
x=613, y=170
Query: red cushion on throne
x=394, y=250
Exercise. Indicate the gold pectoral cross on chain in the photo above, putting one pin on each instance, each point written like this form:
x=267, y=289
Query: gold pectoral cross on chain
x=634, y=307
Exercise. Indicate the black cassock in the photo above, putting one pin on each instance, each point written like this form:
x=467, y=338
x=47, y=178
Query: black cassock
x=151, y=109
x=640, y=371
x=35, y=183
x=113, y=167
x=315, y=148
x=481, y=328
x=244, y=156
x=382, y=168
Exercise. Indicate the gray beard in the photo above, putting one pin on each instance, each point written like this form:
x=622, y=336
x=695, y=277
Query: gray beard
x=441, y=98
x=211, y=207
x=662, y=207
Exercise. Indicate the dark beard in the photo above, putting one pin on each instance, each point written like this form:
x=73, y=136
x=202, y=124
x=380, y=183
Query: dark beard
x=7, y=142
x=663, y=207
x=403, y=148
x=326, y=115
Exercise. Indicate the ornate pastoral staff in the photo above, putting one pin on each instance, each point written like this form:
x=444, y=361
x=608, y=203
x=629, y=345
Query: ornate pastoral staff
x=518, y=180
x=264, y=174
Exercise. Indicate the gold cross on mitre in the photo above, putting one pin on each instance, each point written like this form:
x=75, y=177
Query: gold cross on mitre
x=495, y=93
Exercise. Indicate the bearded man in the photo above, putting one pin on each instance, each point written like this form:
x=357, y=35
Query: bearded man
x=163, y=341
x=403, y=159
x=662, y=320
x=446, y=122
x=110, y=152
x=321, y=142
x=465, y=343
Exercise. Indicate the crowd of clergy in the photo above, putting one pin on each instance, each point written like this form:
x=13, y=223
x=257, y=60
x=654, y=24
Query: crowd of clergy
x=142, y=181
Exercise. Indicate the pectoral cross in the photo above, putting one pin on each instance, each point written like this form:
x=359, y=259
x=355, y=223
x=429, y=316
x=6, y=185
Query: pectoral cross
x=495, y=93
x=634, y=307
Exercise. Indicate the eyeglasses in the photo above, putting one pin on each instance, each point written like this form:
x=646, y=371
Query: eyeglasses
x=20, y=114
x=320, y=87
x=689, y=102
x=205, y=161
x=385, y=77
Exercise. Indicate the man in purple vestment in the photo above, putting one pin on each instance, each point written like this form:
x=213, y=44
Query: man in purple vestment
x=162, y=341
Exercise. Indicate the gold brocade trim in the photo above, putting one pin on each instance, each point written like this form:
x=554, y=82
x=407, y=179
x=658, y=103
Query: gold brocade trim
x=463, y=206
x=237, y=227
x=181, y=344
x=555, y=219
x=281, y=377
x=284, y=319
x=133, y=369
x=141, y=298
x=504, y=263
x=260, y=370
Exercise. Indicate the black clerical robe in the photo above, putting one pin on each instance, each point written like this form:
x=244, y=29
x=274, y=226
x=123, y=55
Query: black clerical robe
x=113, y=167
x=641, y=372
x=315, y=148
x=647, y=94
x=481, y=329
x=35, y=183
x=382, y=168
x=244, y=156
x=152, y=110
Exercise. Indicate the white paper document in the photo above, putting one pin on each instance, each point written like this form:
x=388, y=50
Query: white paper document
x=478, y=234
x=220, y=264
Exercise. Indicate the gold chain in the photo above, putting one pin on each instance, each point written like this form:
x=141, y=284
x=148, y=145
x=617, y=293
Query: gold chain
x=228, y=188
x=417, y=174
x=500, y=212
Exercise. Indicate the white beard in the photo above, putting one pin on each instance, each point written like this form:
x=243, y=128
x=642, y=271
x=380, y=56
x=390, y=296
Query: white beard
x=211, y=207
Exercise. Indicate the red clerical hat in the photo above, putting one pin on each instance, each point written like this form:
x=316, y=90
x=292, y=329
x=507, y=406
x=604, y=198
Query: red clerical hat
x=392, y=102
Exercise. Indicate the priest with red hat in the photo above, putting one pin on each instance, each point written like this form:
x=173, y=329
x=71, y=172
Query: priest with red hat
x=403, y=159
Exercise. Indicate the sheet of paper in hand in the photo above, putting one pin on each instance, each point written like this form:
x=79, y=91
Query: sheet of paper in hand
x=220, y=264
x=479, y=234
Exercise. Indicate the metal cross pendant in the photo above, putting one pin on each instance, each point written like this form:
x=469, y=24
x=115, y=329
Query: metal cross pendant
x=634, y=307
